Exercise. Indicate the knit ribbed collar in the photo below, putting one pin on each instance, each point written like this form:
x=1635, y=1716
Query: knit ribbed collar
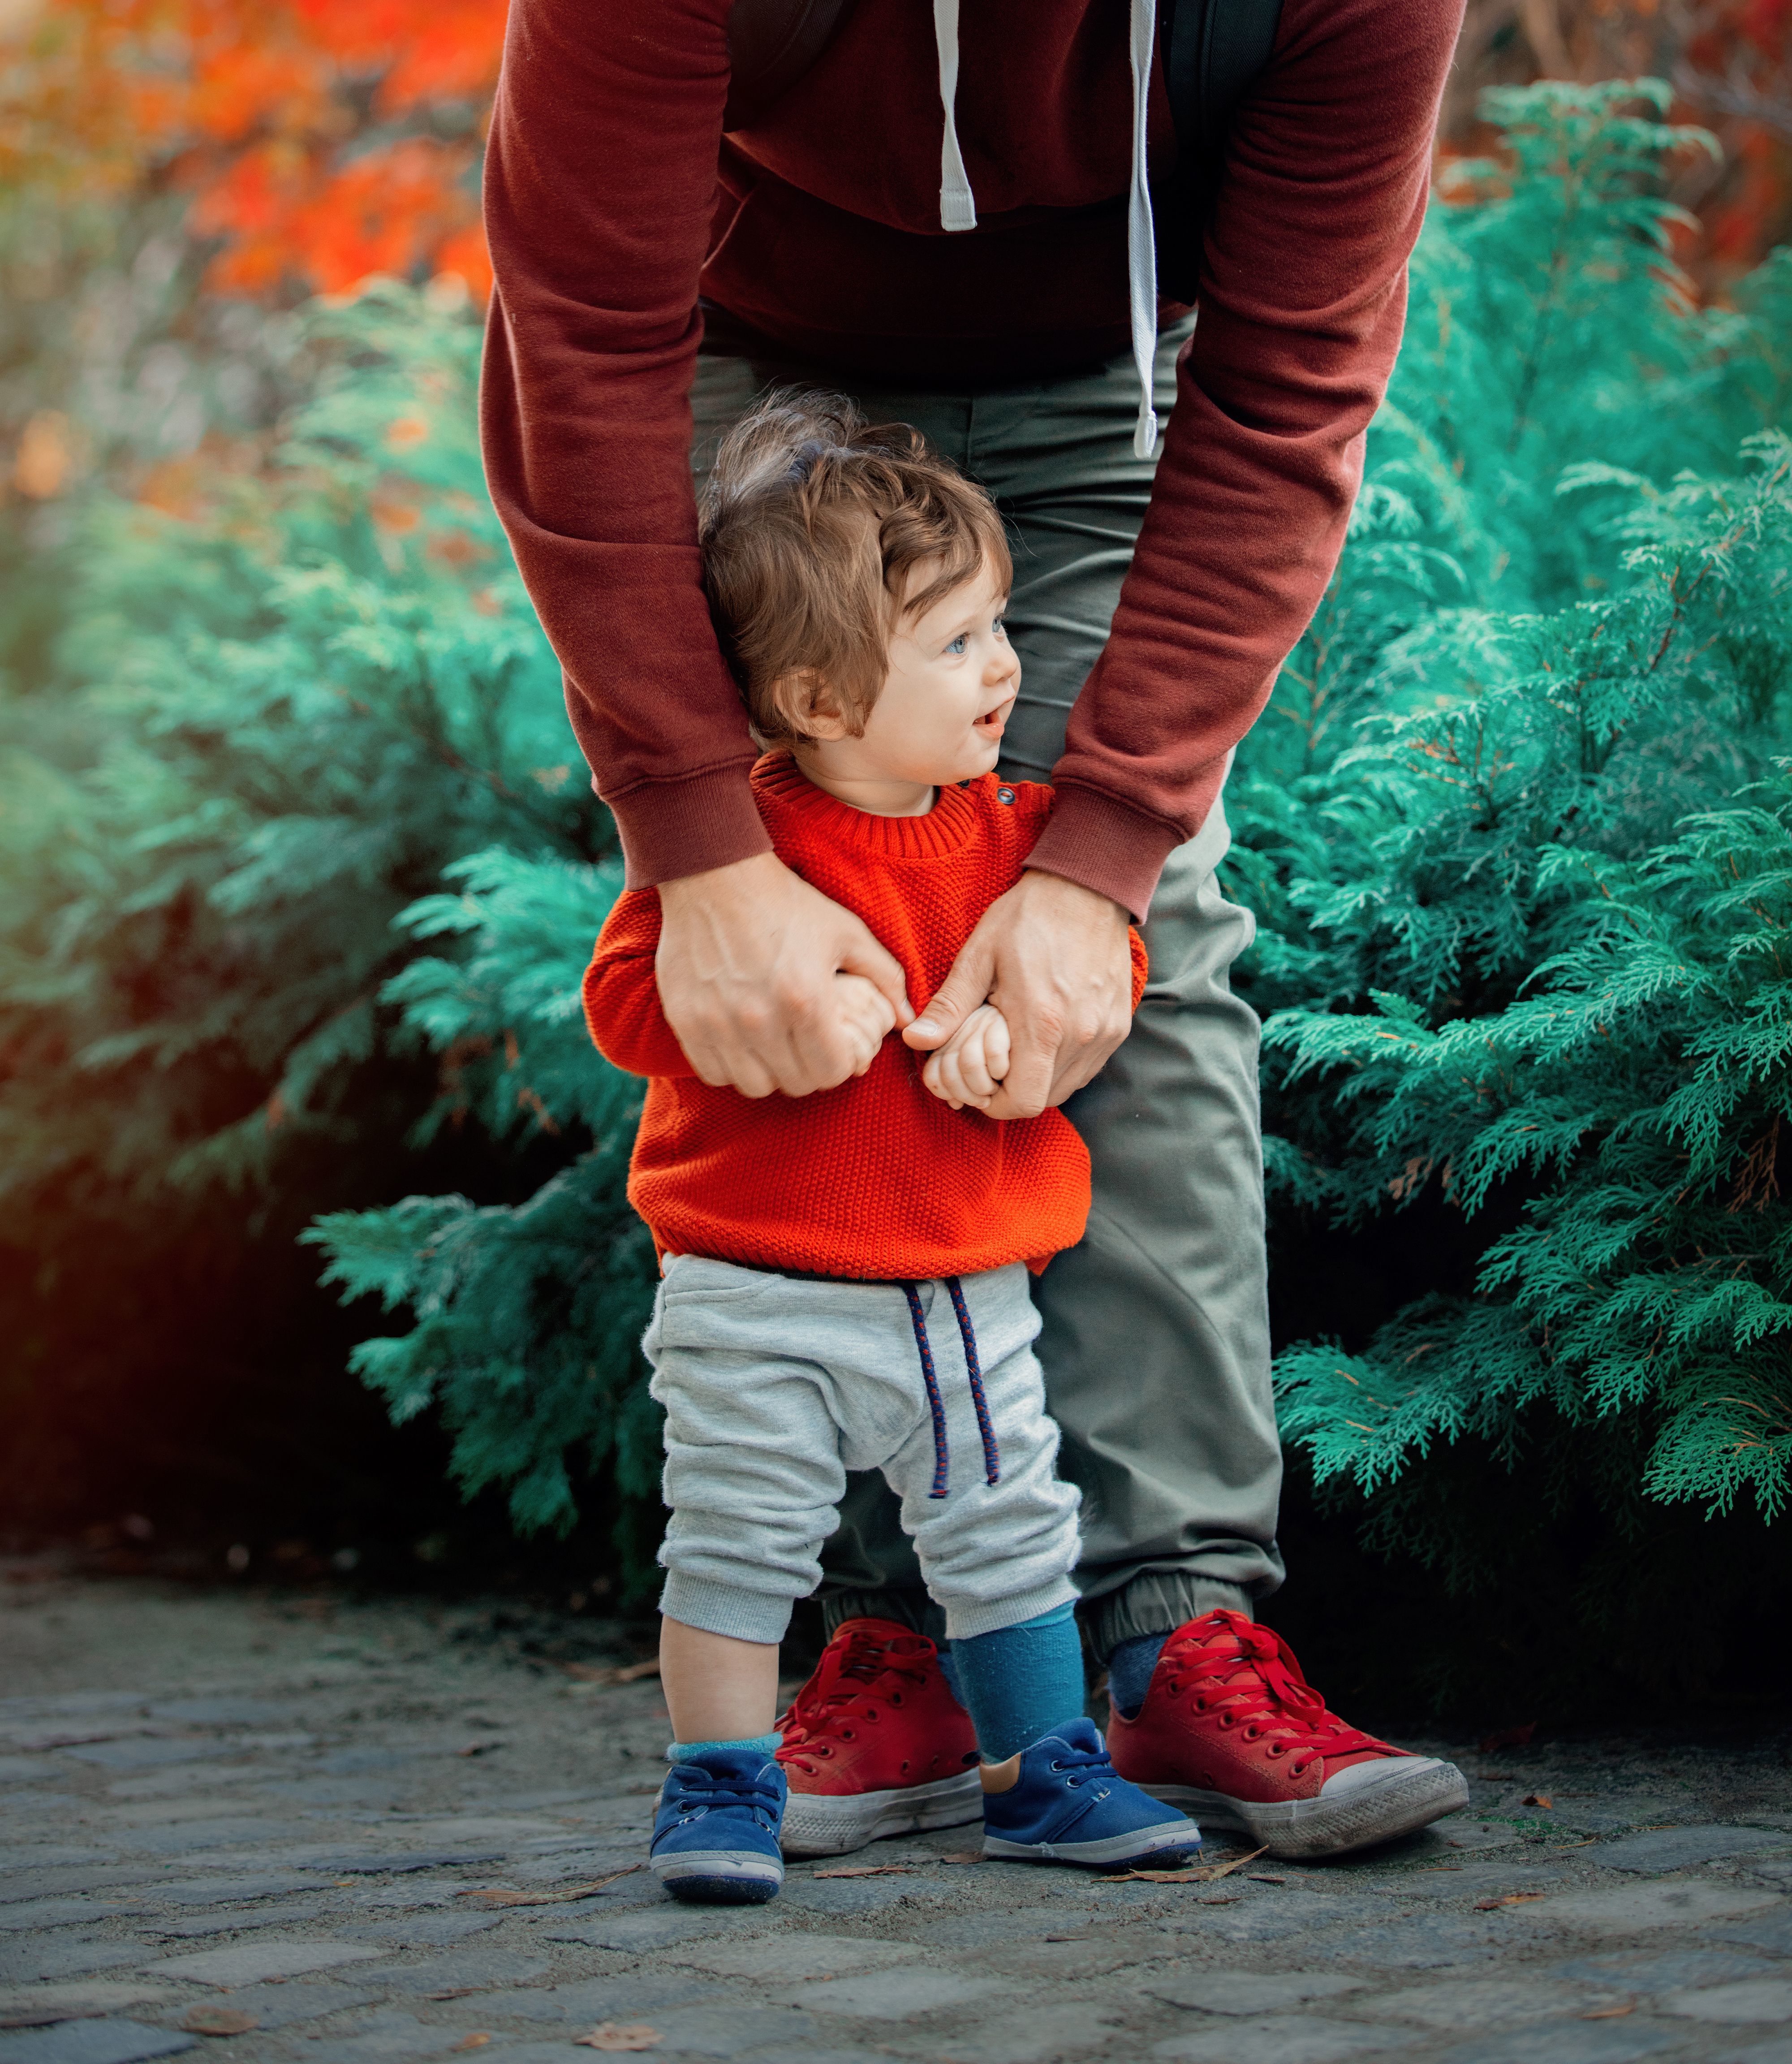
x=785, y=790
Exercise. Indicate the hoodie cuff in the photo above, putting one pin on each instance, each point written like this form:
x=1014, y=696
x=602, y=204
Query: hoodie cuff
x=669, y=829
x=1116, y=851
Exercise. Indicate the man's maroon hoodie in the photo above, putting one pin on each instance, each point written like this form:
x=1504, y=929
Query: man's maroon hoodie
x=613, y=201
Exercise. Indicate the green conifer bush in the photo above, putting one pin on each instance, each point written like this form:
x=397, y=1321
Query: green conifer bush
x=273, y=720
x=1572, y=1002
x=528, y=1318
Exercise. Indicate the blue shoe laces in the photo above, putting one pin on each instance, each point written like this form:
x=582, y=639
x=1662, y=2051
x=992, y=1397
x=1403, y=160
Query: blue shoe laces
x=1091, y=1762
x=762, y=1801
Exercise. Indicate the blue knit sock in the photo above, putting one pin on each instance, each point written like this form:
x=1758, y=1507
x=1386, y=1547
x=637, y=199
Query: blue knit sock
x=949, y=1669
x=766, y=1744
x=1130, y=1669
x=1020, y=1682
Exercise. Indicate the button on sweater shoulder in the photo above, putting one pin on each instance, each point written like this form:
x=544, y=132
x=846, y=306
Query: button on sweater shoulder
x=877, y=1178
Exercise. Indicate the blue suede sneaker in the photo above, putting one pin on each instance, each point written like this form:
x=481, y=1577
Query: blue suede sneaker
x=1068, y=1806
x=715, y=1835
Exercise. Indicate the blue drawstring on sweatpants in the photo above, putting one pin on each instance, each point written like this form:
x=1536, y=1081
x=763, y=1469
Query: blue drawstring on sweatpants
x=917, y=1318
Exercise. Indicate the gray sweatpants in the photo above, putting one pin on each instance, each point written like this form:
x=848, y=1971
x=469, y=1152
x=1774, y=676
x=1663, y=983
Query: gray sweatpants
x=1155, y=1340
x=774, y=1387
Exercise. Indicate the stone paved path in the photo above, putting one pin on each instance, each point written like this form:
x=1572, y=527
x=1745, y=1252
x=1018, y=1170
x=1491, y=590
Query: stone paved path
x=289, y=1829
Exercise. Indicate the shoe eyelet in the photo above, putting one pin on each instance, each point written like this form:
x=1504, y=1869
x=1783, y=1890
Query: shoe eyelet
x=1277, y=1748
x=1056, y=1767
x=871, y=1713
x=846, y=1734
x=1228, y=1719
x=895, y=1698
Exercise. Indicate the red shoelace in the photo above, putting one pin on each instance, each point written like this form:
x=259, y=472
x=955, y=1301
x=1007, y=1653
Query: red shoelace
x=856, y=1668
x=1246, y=1675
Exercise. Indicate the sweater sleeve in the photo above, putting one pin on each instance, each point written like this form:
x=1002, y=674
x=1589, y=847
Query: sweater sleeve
x=1303, y=300
x=622, y=1010
x=600, y=189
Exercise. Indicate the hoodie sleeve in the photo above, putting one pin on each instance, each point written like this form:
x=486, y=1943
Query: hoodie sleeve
x=622, y=1010
x=600, y=192
x=1303, y=302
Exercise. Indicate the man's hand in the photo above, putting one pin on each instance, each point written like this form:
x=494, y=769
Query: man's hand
x=767, y=985
x=1054, y=959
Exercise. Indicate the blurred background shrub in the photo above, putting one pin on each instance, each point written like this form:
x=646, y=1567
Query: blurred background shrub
x=301, y=868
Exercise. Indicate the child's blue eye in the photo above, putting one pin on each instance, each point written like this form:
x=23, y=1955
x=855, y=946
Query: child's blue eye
x=959, y=642
x=1002, y=626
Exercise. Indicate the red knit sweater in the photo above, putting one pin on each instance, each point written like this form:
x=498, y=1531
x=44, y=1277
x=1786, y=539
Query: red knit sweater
x=876, y=1180
x=611, y=201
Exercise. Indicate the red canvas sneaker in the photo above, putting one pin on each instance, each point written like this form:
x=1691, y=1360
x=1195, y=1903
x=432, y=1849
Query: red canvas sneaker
x=874, y=1743
x=1232, y=1733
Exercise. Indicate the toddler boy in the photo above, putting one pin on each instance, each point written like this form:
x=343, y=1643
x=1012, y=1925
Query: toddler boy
x=844, y=1275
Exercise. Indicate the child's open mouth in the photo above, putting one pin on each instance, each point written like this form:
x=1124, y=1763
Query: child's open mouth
x=994, y=723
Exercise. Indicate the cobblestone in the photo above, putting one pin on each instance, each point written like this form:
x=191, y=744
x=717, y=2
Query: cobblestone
x=297, y=1810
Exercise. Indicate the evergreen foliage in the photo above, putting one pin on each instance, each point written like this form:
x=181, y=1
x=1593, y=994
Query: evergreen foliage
x=528, y=1318
x=274, y=718
x=1623, y=1066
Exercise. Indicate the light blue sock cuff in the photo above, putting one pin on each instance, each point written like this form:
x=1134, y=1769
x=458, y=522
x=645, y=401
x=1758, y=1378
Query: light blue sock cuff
x=766, y=1744
x=1067, y=1611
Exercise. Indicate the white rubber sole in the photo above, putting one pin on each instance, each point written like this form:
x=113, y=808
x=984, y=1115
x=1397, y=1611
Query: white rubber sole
x=721, y=1876
x=1139, y=1847
x=825, y=1824
x=1416, y=1791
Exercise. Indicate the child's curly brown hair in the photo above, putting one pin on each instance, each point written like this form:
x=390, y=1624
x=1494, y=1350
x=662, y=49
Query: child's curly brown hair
x=812, y=524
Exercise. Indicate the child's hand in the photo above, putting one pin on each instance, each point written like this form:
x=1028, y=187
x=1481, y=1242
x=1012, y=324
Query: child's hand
x=969, y=1068
x=866, y=1018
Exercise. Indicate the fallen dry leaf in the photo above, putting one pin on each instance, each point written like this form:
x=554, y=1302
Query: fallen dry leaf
x=1511, y=1899
x=503, y=1895
x=1263, y=1877
x=479, y=1749
x=1610, y=2012
x=1237, y=1863
x=218, y=2021
x=606, y=2035
x=962, y=1856
x=868, y=1870
x=1225, y=1899
x=1191, y=1874
x=477, y=2041
x=1154, y=1877
x=1538, y=1799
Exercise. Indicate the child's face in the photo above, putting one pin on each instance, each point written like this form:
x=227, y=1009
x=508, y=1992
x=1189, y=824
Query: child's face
x=950, y=684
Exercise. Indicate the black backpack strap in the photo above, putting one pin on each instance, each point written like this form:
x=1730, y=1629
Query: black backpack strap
x=771, y=44
x=1213, y=51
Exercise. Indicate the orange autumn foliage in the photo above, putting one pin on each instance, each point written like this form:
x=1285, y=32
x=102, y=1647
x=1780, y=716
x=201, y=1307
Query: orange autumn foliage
x=319, y=140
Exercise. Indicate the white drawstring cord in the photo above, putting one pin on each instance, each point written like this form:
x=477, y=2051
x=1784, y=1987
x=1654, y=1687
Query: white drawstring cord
x=957, y=204
x=1141, y=242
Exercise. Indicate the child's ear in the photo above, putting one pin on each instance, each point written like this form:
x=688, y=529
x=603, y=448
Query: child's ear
x=808, y=705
